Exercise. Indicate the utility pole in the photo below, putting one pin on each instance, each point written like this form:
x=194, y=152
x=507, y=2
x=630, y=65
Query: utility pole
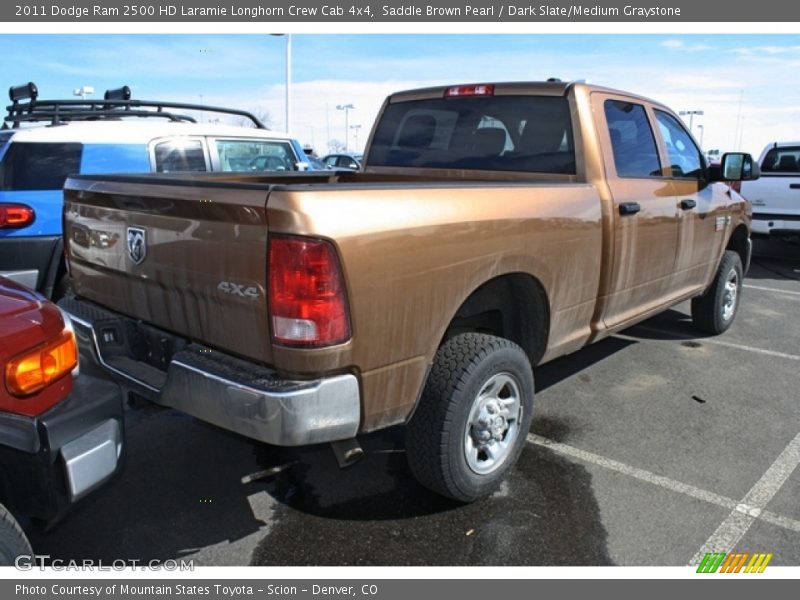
x=346, y=108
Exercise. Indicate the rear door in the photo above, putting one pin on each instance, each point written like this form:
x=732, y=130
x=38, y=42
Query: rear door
x=645, y=217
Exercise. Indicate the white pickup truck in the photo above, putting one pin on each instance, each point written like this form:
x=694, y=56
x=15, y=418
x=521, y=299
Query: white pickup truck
x=776, y=195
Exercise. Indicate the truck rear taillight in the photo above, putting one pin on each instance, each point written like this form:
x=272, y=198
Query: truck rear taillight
x=16, y=216
x=34, y=370
x=469, y=90
x=307, y=299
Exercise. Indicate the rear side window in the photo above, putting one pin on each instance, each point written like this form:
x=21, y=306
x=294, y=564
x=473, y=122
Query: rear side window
x=782, y=160
x=180, y=155
x=255, y=155
x=497, y=133
x=632, y=141
x=34, y=166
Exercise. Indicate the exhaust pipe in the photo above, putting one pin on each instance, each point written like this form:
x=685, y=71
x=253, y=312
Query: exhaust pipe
x=347, y=452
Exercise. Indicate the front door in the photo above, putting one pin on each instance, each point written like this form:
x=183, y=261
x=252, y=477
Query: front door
x=702, y=221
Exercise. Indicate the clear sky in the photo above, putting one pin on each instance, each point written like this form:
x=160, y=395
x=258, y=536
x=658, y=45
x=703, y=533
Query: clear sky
x=747, y=85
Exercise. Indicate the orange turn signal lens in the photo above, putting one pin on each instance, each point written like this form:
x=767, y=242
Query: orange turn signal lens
x=30, y=372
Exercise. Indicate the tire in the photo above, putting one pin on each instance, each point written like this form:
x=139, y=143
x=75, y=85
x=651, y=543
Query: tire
x=714, y=311
x=13, y=541
x=473, y=417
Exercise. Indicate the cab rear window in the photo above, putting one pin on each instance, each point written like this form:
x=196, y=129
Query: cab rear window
x=39, y=166
x=782, y=160
x=496, y=133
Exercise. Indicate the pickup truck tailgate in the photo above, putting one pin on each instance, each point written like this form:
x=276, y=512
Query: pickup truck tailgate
x=190, y=259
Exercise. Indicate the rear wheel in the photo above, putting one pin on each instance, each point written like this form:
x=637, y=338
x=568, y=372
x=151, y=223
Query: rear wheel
x=13, y=542
x=474, y=415
x=714, y=311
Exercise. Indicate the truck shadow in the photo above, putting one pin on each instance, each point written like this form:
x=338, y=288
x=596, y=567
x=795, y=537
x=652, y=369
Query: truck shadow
x=780, y=269
x=375, y=513
x=782, y=252
x=180, y=490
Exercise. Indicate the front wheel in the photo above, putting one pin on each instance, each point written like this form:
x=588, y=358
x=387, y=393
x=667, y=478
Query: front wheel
x=473, y=418
x=714, y=311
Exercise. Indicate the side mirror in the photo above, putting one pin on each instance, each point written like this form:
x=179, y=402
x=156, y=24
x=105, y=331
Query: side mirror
x=736, y=166
x=301, y=165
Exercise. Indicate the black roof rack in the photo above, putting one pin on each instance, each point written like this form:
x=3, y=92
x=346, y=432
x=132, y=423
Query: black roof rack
x=115, y=104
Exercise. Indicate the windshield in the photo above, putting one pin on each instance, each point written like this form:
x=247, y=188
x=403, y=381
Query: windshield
x=498, y=133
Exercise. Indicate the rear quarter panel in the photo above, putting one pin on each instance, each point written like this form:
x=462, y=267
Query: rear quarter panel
x=413, y=255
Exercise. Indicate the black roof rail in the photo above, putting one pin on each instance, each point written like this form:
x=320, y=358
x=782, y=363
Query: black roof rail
x=115, y=104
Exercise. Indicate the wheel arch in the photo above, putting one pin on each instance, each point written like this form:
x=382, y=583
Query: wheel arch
x=739, y=242
x=513, y=306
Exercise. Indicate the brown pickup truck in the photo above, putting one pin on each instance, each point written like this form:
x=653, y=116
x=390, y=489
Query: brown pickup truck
x=494, y=227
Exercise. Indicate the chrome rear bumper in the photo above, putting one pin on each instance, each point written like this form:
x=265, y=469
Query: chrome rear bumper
x=229, y=392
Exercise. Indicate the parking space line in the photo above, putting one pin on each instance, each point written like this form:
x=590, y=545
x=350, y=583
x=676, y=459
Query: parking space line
x=780, y=521
x=759, y=493
x=731, y=530
x=641, y=474
x=712, y=341
x=769, y=289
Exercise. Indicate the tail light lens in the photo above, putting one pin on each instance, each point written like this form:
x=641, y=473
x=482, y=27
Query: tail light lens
x=34, y=370
x=307, y=297
x=16, y=216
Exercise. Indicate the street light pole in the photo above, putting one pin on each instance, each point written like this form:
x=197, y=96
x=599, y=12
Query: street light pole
x=355, y=129
x=288, y=90
x=346, y=108
x=288, y=82
x=702, y=131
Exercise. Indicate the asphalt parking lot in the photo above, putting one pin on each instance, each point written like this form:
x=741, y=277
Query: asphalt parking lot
x=648, y=448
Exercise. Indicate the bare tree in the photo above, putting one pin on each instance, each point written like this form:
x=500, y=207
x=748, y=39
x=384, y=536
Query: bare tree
x=335, y=146
x=261, y=114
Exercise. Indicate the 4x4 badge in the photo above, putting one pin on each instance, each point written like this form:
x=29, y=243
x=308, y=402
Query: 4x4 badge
x=137, y=244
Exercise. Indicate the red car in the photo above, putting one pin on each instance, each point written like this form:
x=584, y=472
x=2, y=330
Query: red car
x=60, y=434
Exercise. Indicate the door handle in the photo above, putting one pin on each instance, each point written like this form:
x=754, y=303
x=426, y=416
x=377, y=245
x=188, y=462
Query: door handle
x=794, y=186
x=688, y=204
x=629, y=208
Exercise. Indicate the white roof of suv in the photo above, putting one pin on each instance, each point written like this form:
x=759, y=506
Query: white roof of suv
x=134, y=131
